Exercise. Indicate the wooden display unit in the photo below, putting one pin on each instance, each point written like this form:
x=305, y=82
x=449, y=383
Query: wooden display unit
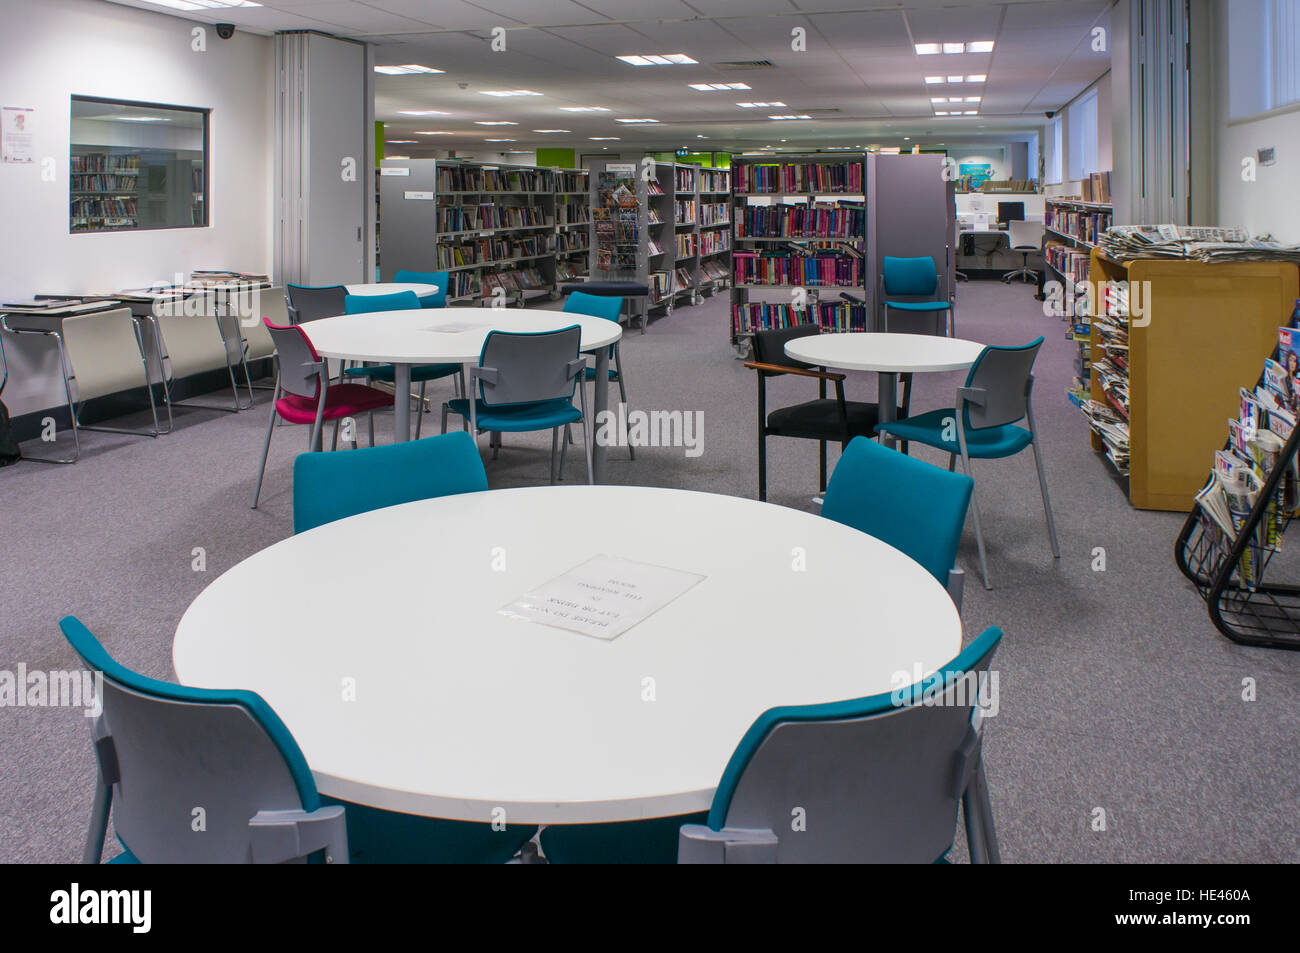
x=1205, y=333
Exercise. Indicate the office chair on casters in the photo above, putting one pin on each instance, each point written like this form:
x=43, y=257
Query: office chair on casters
x=1026, y=238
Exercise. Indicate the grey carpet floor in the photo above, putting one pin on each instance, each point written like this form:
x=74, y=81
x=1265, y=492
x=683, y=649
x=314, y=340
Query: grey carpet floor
x=1116, y=691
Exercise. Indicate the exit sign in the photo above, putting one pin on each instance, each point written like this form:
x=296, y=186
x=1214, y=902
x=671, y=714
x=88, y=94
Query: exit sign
x=683, y=152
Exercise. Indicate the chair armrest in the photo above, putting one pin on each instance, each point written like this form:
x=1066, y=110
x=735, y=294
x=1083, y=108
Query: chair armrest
x=972, y=395
x=281, y=836
x=697, y=844
x=799, y=371
x=956, y=586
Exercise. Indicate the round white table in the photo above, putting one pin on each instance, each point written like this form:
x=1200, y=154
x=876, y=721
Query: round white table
x=460, y=709
x=887, y=354
x=392, y=288
x=453, y=336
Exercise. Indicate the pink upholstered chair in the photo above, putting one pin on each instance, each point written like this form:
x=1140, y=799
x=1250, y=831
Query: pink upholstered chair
x=303, y=394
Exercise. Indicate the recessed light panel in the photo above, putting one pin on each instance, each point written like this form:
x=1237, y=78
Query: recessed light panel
x=657, y=59
x=406, y=70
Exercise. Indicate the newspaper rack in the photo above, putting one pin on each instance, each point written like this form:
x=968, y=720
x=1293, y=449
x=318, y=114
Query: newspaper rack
x=1262, y=613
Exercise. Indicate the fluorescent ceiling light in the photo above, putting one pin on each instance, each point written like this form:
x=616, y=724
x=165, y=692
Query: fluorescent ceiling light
x=700, y=137
x=972, y=99
x=934, y=80
x=494, y=122
x=971, y=112
x=657, y=59
x=939, y=112
x=603, y=138
x=791, y=116
x=926, y=49
x=954, y=48
x=400, y=142
x=954, y=99
x=552, y=130
x=428, y=132
x=774, y=105
x=406, y=70
x=954, y=79
x=710, y=87
x=135, y=118
x=584, y=109
x=202, y=4
x=397, y=157
x=938, y=99
x=636, y=120
x=422, y=112
x=977, y=77
x=980, y=46
x=507, y=92
x=500, y=140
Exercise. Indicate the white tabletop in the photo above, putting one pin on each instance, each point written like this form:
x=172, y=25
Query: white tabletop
x=875, y=351
x=392, y=288
x=459, y=709
x=414, y=336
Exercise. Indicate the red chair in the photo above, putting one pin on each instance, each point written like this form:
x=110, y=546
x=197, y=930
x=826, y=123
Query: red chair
x=303, y=394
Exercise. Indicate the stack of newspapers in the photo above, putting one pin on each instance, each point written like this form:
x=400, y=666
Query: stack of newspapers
x=1195, y=242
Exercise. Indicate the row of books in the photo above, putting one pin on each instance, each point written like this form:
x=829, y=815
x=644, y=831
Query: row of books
x=842, y=220
x=571, y=214
x=569, y=242
x=464, y=218
x=714, y=214
x=833, y=317
x=486, y=250
x=715, y=241
x=715, y=180
x=102, y=162
x=685, y=180
x=102, y=182
x=684, y=211
x=825, y=270
x=1071, y=262
x=571, y=182
x=474, y=179
x=1096, y=187
x=687, y=246
x=713, y=271
x=514, y=279
x=1087, y=226
x=88, y=207
x=790, y=178
x=660, y=284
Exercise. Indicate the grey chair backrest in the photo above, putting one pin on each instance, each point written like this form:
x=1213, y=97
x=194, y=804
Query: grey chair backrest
x=880, y=783
x=769, y=346
x=527, y=367
x=311, y=304
x=301, y=370
x=199, y=775
x=998, y=386
x=1022, y=234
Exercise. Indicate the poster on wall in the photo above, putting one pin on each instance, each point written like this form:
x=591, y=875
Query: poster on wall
x=972, y=175
x=16, y=133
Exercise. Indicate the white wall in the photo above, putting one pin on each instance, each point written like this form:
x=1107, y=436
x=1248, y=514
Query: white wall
x=996, y=156
x=55, y=48
x=1271, y=203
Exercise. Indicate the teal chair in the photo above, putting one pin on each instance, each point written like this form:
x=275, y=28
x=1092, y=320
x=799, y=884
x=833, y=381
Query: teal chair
x=527, y=382
x=609, y=308
x=984, y=425
x=161, y=749
x=420, y=373
x=439, y=278
x=876, y=779
x=370, y=479
x=916, y=278
x=908, y=503
x=332, y=486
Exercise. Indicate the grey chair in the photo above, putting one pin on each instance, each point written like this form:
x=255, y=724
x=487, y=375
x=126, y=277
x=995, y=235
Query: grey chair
x=872, y=780
x=306, y=303
x=525, y=382
x=1026, y=238
x=994, y=399
x=195, y=775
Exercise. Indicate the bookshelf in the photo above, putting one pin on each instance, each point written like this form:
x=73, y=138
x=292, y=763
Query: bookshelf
x=572, y=224
x=1173, y=377
x=489, y=225
x=104, y=191
x=799, y=229
x=715, y=230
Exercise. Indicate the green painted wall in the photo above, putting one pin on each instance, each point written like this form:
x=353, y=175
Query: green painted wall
x=379, y=143
x=710, y=160
x=561, y=158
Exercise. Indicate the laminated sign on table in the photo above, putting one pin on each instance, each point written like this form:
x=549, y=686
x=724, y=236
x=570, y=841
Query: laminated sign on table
x=603, y=597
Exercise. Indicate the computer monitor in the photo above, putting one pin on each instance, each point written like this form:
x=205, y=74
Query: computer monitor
x=1011, y=212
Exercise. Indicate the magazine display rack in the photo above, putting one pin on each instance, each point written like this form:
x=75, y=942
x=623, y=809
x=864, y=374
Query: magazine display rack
x=1230, y=543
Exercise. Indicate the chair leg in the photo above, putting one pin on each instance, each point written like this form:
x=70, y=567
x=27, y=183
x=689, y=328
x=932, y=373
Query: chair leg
x=419, y=419
x=622, y=393
x=564, y=448
x=334, y=442
x=555, y=440
x=981, y=783
x=444, y=416
x=494, y=441
x=821, y=465
x=952, y=462
x=1047, y=506
x=975, y=514
x=974, y=826
x=266, y=450
x=586, y=444
x=94, y=848
x=762, y=467
x=372, y=428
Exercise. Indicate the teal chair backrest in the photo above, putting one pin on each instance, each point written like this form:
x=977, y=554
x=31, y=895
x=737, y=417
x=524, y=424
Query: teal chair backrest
x=360, y=304
x=529, y=367
x=884, y=773
x=912, y=505
x=164, y=749
x=597, y=306
x=331, y=486
x=438, y=278
x=910, y=276
x=1004, y=376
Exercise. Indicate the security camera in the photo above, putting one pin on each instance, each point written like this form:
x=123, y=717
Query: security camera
x=225, y=30
x=1050, y=113
x=463, y=85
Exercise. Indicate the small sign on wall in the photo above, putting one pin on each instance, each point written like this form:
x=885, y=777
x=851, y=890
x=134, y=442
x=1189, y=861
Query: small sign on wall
x=418, y=196
x=16, y=133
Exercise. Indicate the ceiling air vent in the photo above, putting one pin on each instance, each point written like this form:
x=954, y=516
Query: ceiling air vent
x=745, y=64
